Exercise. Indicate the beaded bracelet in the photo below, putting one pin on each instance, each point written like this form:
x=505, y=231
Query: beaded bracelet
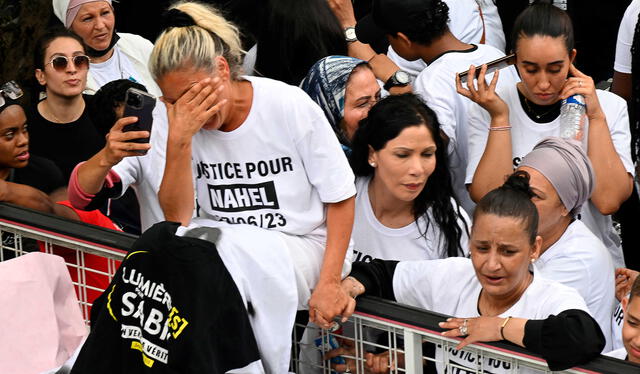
x=502, y=327
x=499, y=128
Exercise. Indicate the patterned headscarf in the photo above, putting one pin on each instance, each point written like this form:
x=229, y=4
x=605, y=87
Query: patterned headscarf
x=566, y=165
x=326, y=83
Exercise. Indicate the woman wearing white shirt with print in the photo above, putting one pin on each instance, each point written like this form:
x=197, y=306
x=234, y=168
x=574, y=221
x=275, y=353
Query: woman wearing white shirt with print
x=495, y=295
x=252, y=151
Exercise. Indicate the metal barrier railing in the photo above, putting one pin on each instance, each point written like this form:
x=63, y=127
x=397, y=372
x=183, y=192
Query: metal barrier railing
x=407, y=331
x=92, y=253
x=409, y=334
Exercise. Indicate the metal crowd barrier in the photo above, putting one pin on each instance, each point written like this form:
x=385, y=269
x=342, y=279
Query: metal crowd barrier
x=24, y=230
x=405, y=330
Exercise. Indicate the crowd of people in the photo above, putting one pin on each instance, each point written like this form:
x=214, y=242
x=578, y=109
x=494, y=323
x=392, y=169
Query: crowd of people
x=373, y=171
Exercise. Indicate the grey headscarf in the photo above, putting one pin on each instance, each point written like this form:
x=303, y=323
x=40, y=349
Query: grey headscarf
x=566, y=165
x=326, y=83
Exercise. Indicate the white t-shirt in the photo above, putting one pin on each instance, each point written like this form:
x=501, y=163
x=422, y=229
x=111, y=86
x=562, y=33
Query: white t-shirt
x=579, y=260
x=616, y=327
x=620, y=353
x=625, y=38
x=117, y=67
x=526, y=133
x=450, y=286
x=466, y=25
x=278, y=169
x=437, y=86
x=373, y=240
x=144, y=173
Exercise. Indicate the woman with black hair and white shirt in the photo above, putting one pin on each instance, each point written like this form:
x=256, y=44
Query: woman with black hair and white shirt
x=509, y=120
x=405, y=205
x=493, y=296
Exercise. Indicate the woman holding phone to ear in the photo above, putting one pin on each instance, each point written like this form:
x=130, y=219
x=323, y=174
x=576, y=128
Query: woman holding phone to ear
x=508, y=122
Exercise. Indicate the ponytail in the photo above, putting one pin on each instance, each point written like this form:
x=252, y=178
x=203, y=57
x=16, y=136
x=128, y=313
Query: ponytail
x=210, y=36
x=512, y=199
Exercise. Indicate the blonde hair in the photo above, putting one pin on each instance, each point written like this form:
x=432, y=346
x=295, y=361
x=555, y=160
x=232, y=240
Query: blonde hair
x=197, y=46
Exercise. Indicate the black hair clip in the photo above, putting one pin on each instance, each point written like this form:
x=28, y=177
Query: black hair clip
x=176, y=18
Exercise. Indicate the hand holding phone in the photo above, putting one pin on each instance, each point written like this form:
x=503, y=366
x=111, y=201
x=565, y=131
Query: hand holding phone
x=492, y=66
x=139, y=104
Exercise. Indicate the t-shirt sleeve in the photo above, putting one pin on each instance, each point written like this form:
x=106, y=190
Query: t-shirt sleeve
x=438, y=95
x=625, y=38
x=425, y=283
x=128, y=169
x=478, y=132
x=376, y=277
x=324, y=161
x=618, y=121
x=570, y=338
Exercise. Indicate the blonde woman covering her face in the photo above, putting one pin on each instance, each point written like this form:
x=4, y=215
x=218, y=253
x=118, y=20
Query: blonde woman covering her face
x=252, y=151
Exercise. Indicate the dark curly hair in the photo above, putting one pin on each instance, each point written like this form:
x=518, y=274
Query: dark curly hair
x=103, y=104
x=512, y=199
x=385, y=121
x=429, y=25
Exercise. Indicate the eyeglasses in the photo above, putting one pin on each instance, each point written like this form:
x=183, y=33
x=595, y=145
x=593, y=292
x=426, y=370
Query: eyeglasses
x=9, y=90
x=60, y=62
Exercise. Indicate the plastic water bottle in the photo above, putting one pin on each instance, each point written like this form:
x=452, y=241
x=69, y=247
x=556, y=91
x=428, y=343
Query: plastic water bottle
x=327, y=342
x=572, y=117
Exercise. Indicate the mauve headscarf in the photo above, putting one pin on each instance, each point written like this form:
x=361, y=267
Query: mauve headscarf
x=67, y=10
x=566, y=165
x=326, y=83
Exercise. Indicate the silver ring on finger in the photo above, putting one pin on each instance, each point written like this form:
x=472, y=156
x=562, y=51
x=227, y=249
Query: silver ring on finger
x=579, y=83
x=464, y=329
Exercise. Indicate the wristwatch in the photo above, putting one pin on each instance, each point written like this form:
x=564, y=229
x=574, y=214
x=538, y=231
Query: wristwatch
x=399, y=79
x=350, y=34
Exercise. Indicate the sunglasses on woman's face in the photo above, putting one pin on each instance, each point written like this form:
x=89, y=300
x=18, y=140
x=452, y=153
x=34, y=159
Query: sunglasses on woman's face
x=60, y=62
x=10, y=90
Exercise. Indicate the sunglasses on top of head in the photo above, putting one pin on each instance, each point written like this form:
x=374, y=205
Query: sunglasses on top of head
x=9, y=90
x=60, y=62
